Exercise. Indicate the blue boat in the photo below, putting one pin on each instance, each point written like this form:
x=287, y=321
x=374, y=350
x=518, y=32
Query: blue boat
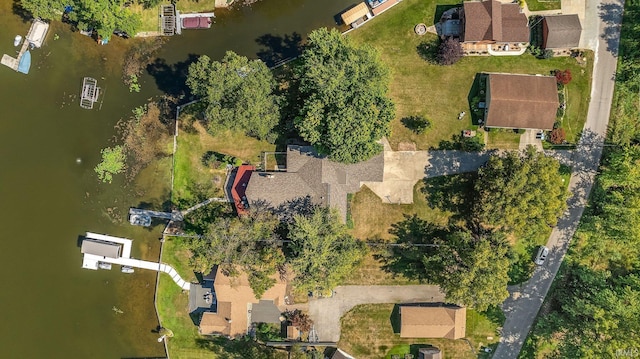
x=25, y=63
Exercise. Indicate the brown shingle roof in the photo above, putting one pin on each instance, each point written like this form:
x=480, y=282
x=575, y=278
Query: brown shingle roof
x=216, y=323
x=494, y=21
x=563, y=31
x=433, y=321
x=237, y=292
x=309, y=174
x=521, y=101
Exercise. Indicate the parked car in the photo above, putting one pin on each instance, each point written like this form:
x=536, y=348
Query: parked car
x=541, y=256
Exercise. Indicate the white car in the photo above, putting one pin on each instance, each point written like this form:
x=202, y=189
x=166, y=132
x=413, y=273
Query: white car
x=543, y=252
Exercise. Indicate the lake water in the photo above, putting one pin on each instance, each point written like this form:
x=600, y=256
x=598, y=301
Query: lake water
x=50, y=195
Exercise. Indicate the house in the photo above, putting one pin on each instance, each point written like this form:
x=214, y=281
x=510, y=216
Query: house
x=355, y=16
x=561, y=32
x=236, y=307
x=432, y=320
x=314, y=177
x=239, y=187
x=493, y=22
x=340, y=354
x=521, y=101
x=429, y=353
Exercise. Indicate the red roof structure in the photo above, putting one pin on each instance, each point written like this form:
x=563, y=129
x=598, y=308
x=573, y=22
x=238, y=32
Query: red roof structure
x=243, y=174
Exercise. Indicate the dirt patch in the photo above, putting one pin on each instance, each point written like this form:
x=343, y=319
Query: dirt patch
x=407, y=146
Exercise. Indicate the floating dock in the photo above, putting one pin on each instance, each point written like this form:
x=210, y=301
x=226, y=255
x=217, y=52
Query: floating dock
x=35, y=37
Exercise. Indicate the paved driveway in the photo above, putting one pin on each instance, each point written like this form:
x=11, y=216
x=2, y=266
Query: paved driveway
x=326, y=312
x=525, y=301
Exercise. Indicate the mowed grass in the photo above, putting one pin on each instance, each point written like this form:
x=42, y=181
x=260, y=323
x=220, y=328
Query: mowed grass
x=372, y=218
x=536, y=5
x=440, y=93
x=368, y=332
x=503, y=139
x=150, y=16
x=193, y=181
x=173, y=308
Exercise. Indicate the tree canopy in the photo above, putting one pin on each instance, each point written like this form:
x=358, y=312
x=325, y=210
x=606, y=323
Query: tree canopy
x=516, y=190
x=323, y=253
x=343, y=90
x=470, y=269
x=238, y=93
x=246, y=244
x=104, y=16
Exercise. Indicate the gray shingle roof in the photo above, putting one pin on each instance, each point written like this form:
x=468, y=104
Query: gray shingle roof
x=100, y=248
x=200, y=297
x=563, y=31
x=265, y=312
x=309, y=174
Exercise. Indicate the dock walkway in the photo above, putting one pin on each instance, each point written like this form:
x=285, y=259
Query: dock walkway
x=12, y=62
x=173, y=216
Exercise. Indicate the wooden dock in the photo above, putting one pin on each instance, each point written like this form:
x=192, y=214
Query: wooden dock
x=13, y=62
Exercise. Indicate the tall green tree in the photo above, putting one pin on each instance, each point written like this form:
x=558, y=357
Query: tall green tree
x=239, y=94
x=323, y=252
x=343, y=90
x=519, y=190
x=247, y=244
x=44, y=9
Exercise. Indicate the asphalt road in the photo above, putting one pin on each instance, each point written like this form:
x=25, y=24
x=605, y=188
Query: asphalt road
x=525, y=301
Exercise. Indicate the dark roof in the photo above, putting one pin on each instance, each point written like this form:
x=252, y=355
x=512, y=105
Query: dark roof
x=429, y=353
x=211, y=275
x=563, y=31
x=309, y=174
x=100, y=248
x=200, y=297
x=494, y=21
x=521, y=101
x=265, y=312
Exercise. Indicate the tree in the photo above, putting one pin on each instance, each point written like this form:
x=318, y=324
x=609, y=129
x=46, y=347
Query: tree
x=450, y=51
x=323, y=253
x=557, y=136
x=113, y=163
x=475, y=268
x=563, y=77
x=299, y=320
x=237, y=245
x=238, y=93
x=44, y=9
x=343, y=90
x=519, y=190
x=471, y=269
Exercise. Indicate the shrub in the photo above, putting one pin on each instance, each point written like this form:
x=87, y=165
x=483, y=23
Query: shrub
x=450, y=51
x=563, y=77
x=417, y=124
x=557, y=136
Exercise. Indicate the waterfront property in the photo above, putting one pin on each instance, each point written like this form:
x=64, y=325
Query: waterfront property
x=35, y=38
x=521, y=101
x=99, y=250
x=235, y=307
x=357, y=15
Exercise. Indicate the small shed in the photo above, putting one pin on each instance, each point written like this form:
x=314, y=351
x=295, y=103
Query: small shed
x=429, y=353
x=355, y=14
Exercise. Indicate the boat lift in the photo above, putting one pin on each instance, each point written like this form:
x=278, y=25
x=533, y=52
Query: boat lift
x=90, y=93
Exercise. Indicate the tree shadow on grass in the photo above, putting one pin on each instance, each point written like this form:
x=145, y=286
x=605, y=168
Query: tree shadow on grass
x=452, y=194
x=477, y=94
x=428, y=50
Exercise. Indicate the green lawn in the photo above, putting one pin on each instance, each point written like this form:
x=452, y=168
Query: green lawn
x=538, y=5
x=440, y=93
x=193, y=180
x=368, y=332
x=503, y=139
